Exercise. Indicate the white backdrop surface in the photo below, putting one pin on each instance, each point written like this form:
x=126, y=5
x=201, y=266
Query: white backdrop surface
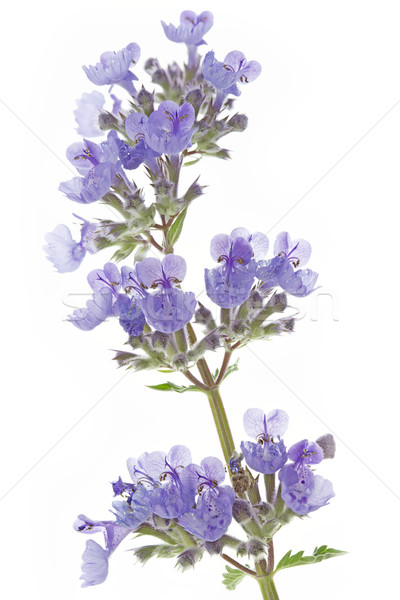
x=320, y=159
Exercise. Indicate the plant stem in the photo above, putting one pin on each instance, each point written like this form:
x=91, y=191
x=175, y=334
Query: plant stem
x=224, y=366
x=239, y=566
x=221, y=423
x=267, y=587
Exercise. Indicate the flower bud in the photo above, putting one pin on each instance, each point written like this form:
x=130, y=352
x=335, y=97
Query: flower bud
x=145, y=99
x=188, y=558
x=238, y=122
x=180, y=362
x=328, y=445
x=107, y=121
x=195, y=97
x=241, y=511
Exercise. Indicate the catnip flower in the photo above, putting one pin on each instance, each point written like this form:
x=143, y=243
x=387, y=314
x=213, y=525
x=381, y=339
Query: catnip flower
x=302, y=491
x=229, y=284
x=192, y=28
x=97, y=165
x=113, y=68
x=169, y=128
x=225, y=75
x=282, y=270
x=268, y=455
x=170, y=488
x=64, y=252
x=95, y=557
x=213, y=513
x=168, y=309
x=107, y=300
x=88, y=111
x=136, y=130
x=87, y=114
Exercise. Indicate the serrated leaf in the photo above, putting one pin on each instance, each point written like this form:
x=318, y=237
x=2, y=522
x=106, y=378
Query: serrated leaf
x=175, y=230
x=231, y=369
x=232, y=577
x=295, y=560
x=168, y=386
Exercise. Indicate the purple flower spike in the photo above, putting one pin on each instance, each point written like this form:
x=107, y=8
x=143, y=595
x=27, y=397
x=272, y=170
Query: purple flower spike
x=169, y=129
x=66, y=254
x=266, y=456
x=192, y=28
x=301, y=490
x=113, y=68
x=87, y=114
x=234, y=69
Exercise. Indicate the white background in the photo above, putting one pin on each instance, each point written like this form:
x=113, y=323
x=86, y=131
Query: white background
x=320, y=159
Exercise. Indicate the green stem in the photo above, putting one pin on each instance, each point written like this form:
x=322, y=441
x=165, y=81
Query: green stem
x=267, y=587
x=221, y=423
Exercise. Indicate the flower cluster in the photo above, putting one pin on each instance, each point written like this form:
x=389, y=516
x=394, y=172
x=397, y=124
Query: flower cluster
x=169, y=495
x=239, y=255
x=146, y=292
x=160, y=137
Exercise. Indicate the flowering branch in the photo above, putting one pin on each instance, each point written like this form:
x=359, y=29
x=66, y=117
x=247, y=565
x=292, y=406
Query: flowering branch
x=185, y=506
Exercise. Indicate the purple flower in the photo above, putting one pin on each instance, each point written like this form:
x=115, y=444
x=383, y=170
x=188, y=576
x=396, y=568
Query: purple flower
x=131, y=317
x=169, y=308
x=97, y=310
x=136, y=130
x=87, y=114
x=267, y=455
x=192, y=28
x=225, y=75
x=297, y=252
x=113, y=68
x=169, y=129
x=97, y=164
x=107, y=300
x=213, y=513
x=171, y=491
x=301, y=490
x=229, y=284
x=134, y=511
x=95, y=557
x=64, y=252
x=281, y=270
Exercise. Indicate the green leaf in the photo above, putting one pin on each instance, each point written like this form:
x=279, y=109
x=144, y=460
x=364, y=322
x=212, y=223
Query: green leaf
x=192, y=162
x=175, y=230
x=230, y=369
x=168, y=386
x=319, y=554
x=232, y=578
